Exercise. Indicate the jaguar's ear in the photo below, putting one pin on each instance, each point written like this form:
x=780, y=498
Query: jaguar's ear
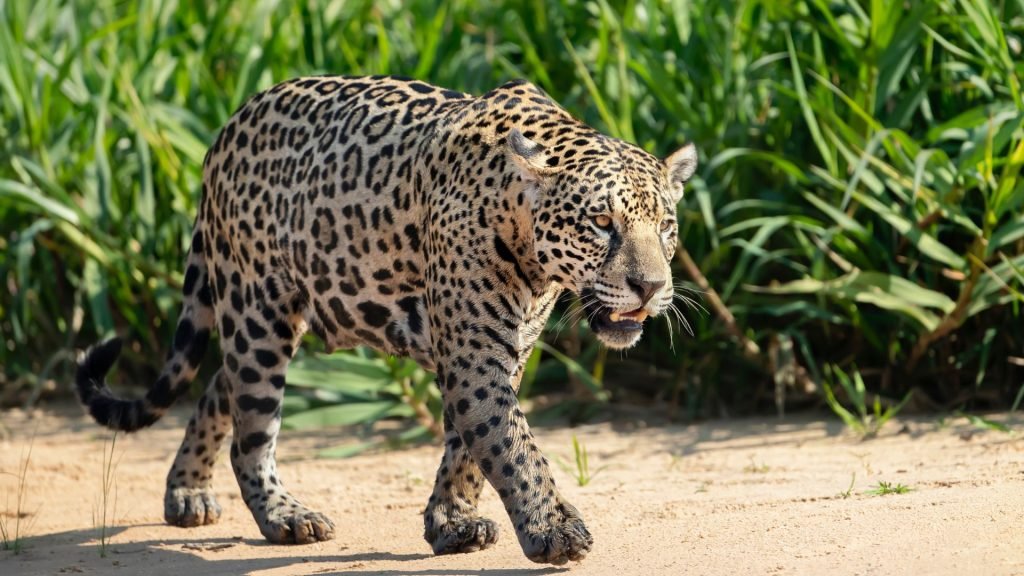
x=680, y=166
x=529, y=156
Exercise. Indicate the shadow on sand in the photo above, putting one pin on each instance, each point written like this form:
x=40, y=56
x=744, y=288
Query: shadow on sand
x=78, y=551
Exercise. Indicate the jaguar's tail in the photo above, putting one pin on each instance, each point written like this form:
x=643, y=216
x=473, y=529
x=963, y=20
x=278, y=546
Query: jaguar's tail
x=190, y=340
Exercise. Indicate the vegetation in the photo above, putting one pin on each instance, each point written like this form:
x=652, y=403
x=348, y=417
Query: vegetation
x=580, y=470
x=106, y=503
x=859, y=201
x=887, y=488
x=865, y=422
x=846, y=493
x=12, y=534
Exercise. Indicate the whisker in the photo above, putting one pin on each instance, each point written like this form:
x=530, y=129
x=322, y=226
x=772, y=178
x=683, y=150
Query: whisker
x=693, y=304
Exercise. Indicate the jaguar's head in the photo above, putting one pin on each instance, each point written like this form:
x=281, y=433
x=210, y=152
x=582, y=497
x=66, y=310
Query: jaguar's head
x=604, y=219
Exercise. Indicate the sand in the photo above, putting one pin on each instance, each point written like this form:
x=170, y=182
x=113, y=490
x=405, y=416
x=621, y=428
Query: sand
x=737, y=497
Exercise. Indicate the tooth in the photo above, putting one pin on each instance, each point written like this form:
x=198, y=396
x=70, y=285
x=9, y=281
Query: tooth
x=641, y=316
x=614, y=316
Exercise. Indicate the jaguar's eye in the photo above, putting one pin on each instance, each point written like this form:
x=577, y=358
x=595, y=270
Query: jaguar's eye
x=666, y=225
x=602, y=221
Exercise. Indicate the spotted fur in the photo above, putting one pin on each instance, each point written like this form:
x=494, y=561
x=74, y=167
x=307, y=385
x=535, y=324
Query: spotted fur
x=422, y=222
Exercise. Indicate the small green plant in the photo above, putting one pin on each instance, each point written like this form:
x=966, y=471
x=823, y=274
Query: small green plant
x=849, y=489
x=108, y=485
x=755, y=468
x=864, y=421
x=11, y=538
x=582, y=472
x=984, y=423
x=886, y=488
x=674, y=460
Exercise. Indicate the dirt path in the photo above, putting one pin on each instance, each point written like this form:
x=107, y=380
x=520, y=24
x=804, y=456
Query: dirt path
x=743, y=497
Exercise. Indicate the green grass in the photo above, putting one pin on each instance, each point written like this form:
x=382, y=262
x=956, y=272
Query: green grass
x=107, y=501
x=849, y=489
x=755, y=468
x=887, y=488
x=860, y=193
x=867, y=418
x=12, y=533
x=580, y=469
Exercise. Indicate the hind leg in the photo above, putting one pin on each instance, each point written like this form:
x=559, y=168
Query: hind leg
x=257, y=347
x=189, y=499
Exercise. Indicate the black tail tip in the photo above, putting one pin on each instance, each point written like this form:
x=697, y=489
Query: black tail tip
x=94, y=365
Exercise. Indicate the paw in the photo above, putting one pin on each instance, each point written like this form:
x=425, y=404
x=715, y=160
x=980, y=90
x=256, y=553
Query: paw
x=294, y=524
x=187, y=507
x=464, y=535
x=564, y=541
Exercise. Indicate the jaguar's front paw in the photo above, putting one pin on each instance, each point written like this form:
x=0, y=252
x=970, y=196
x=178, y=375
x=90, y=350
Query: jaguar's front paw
x=295, y=524
x=463, y=535
x=564, y=540
x=189, y=507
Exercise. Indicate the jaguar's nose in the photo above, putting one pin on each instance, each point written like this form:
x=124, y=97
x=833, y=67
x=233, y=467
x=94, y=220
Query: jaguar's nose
x=645, y=289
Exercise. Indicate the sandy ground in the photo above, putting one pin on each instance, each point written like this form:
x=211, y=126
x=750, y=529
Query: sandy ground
x=739, y=497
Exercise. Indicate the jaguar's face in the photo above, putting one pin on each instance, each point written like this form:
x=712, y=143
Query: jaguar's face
x=605, y=227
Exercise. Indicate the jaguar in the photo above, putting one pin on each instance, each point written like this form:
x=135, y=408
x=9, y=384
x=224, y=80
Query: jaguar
x=421, y=222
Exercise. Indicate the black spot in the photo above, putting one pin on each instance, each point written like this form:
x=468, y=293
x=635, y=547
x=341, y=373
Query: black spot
x=241, y=344
x=227, y=326
x=249, y=376
x=341, y=315
x=205, y=295
x=322, y=284
x=231, y=361
x=409, y=305
x=266, y=358
x=508, y=471
x=255, y=330
x=195, y=352
x=374, y=314
x=413, y=234
x=184, y=334
x=248, y=402
x=283, y=330
x=236, y=301
x=462, y=406
x=191, y=276
x=254, y=440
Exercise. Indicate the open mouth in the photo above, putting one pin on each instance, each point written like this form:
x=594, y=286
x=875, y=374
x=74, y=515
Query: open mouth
x=604, y=319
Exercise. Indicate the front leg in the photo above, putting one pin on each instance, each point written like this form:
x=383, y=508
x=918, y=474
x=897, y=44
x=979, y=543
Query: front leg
x=451, y=523
x=477, y=361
